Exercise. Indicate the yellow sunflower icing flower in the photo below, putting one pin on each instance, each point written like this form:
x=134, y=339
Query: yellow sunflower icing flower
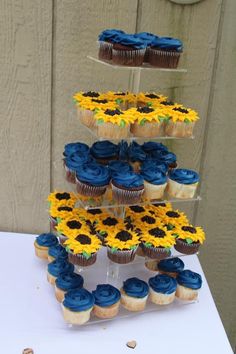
x=142, y=115
x=114, y=116
x=189, y=233
x=158, y=236
x=95, y=104
x=183, y=114
x=81, y=95
x=71, y=226
x=60, y=211
x=149, y=98
x=172, y=218
x=120, y=97
x=122, y=240
x=83, y=244
x=154, y=209
x=57, y=197
x=135, y=212
x=108, y=223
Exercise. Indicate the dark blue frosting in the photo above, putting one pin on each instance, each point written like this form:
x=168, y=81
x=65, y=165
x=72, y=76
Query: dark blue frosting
x=47, y=240
x=135, y=287
x=60, y=266
x=109, y=34
x=152, y=163
x=146, y=37
x=106, y=295
x=164, y=156
x=136, y=152
x=167, y=43
x=78, y=300
x=171, y=265
x=129, y=40
x=189, y=279
x=163, y=284
x=150, y=146
x=184, y=176
x=77, y=159
x=69, y=281
x=153, y=175
x=58, y=252
x=127, y=179
x=119, y=166
x=123, y=150
x=104, y=149
x=94, y=174
x=72, y=148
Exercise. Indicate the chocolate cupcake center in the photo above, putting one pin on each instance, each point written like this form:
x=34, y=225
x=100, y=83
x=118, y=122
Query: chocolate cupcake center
x=91, y=94
x=137, y=209
x=65, y=208
x=156, y=232
x=172, y=214
x=190, y=229
x=167, y=103
x=124, y=236
x=110, y=221
x=113, y=112
x=182, y=110
x=62, y=196
x=152, y=95
x=99, y=101
x=74, y=224
x=145, y=109
x=83, y=239
x=94, y=211
x=148, y=219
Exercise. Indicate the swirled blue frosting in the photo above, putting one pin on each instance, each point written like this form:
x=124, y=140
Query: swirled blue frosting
x=167, y=43
x=184, y=176
x=109, y=34
x=119, y=166
x=127, y=179
x=146, y=37
x=94, y=174
x=171, y=265
x=77, y=159
x=123, y=150
x=189, y=279
x=72, y=148
x=136, y=152
x=58, y=251
x=60, y=266
x=104, y=149
x=153, y=175
x=78, y=300
x=135, y=287
x=129, y=40
x=69, y=281
x=47, y=240
x=164, y=156
x=152, y=163
x=163, y=284
x=150, y=146
x=106, y=295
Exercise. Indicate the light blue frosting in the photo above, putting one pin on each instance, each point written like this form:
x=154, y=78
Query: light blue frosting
x=69, y=281
x=78, y=300
x=119, y=166
x=171, y=265
x=168, y=43
x=47, y=240
x=60, y=266
x=58, y=251
x=152, y=163
x=94, y=174
x=163, y=284
x=189, y=279
x=184, y=176
x=106, y=295
x=135, y=287
x=72, y=148
x=127, y=179
x=104, y=149
x=153, y=175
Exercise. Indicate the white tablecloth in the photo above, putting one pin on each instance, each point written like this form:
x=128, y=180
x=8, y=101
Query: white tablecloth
x=31, y=316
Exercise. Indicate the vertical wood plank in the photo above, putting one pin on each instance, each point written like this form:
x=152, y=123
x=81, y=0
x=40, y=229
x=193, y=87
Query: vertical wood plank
x=25, y=99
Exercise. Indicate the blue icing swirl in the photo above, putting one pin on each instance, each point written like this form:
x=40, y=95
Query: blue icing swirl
x=135, y=287
x=106, y=295
x=146, y=37
x=130, y=40
x=127, y=179
x=163, y=284
x=153, y=175
x=77, y=159
x=152, y=163
x=109, y=34
x=164, y=156
x=171, y=265
x=72, y=148
x=150, y=146
x=119, y=166
x=57, y=251
x=167, y=43
x=104, y=149
x=60, y=266
x=136, y=152
x=94, y=174
x=78, y=300
x=189, y=279
x=46, y=240
x=123, y=150
x=184, y=176
x=69, y=281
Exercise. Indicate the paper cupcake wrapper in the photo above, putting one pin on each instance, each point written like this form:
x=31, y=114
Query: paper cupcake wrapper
x=112, y=131
x=89, y=191
x=164, y=59
x=156, y=252
x=105, y=50
x=185, y=248
x=79, y=259
x=124, y=196
x=179, y=129
x=128, y=57
x=87, y=118
x=121, y=257
x=53, y=223
x=62, y=239
x=148, y=130
x=70, y=174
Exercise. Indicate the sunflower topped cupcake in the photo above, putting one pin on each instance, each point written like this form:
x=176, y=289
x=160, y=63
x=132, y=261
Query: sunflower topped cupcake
x=123, y=99
x=149, y=99
x=172, y=218
x=182, y=122
x=70, y=227
x=79, y=96
x=188, y=238
x=57, y=197
x=106, y=224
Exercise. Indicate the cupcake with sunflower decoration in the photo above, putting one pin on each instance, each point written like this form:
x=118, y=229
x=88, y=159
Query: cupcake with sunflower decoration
x=70, y=227
x=188, y=238
x=106, y=224
x=58, y=212
x=113, y=123
x=149, y=99
x=83, y=248
x=58, y=197
x=123, y=99
x=122, y=245
x=172, y=218
x=155, y=208
x=135, y=212
x=182, y=122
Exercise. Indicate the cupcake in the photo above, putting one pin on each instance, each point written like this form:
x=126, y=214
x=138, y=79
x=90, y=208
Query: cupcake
x=105, y=39
x=171, y=266
x=151, y=146
x=66, y=282
x=73, y=148
x=148, y=99
x=71, y=227
x=104, y=151
x=165, y=52
x=134, y=294
x=66, y=198
x=105, y=225
x=122, y=245
x=171, y=218
x=128, y=50
x=58, y=212
x=151, y=163
x=86, y=115
x=57, y=267
x=107, y=301
x=55, y=252
x=42, y=244
x=155, y=182
x=188, y=285
x=136, y=155
x=148, y=39
x=127, y=187
x=188, y=238
x=92, y=179
x=162, y=289
x=83, y=249
x=135, y=211
x=156, y=208
x=117, y=166
x=181, y=123
x=77, y=306
x=166, y=157
x=182, y=183
x=73, y=162
x=123, y=99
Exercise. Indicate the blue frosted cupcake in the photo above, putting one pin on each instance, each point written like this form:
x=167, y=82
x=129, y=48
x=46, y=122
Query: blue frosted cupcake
x=155, y=182
x=152, y=163
x=105, y=39
x=162, y=289
x=77, y=306
x=72, y=148
x=170, y=266
x=148, y=39
x=136, y=155
x=128, y=50
x=58, y=267
x=167, y=157
x=188, y=285
x=134, y=294
x=42, y=244
x=73, y=162
x=151, y=146
x=123, y=150
x=182, y=183
x=118, y=166
x=107, y=301
x=165, y=52
x=104, y=151
x=66, y=282
x=55, y=252
x=127, y=187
